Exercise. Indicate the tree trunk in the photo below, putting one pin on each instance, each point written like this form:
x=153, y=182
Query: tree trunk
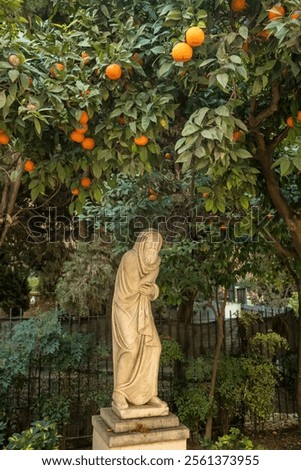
x=298, y=388
x=8, y=199
x=217, y=350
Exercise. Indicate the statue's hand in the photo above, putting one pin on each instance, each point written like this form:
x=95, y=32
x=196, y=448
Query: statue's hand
x=147, y=289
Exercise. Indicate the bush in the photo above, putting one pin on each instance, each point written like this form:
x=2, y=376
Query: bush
x=42, y=435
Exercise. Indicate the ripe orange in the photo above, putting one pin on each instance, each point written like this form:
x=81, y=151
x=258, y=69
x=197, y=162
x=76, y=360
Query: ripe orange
x=113, y=71
x=141, y=141
x=182, y=52
x=152, y=197
x=88, y=143
x=195, y=36
x=299, y=116
x=58, y=67
x=86, y=182
x=75, y=192
x=205, y=195
x=14, y=60
x=136, y=57
x=82, y=129
x=295, y=16
x=245, y=46
x=276, y=12
x=84, y=118
x=4, y=138
x=29, y=165
x=168, y=156
x=86, y=57
x=151, y=191
x=263, y=34
x=121, y=120
x=77, y=136
x=238, y=5
x=237, y=135
x=290, y=121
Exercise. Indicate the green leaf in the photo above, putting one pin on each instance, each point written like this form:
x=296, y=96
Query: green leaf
x=285, y=166
x=222, y=79
x=97, y=170
x=297, y=162
x=257, y=86
x=200, y=116
x=145, y=122
x=243, y=153
x=190, y=129
x=235, y=59
x=244, y=32
x=13, y=75
x=208, y=134
x=222, y=111
x=165, y=69
x=35, y=192
x=37, y=126
x=2, y=99
x=244, y=201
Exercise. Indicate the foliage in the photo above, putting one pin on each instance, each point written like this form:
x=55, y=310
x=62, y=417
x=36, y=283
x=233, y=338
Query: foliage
x=87, y=280
x=42, y=435
x=14, y=288
x=171, y=352
x=233, y=440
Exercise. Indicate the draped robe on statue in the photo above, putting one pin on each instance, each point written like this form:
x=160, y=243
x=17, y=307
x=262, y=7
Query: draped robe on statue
x=136, y=344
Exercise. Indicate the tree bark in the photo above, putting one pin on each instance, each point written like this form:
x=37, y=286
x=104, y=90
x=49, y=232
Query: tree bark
x=298, y=385
x=219, y=315
x=8, y=200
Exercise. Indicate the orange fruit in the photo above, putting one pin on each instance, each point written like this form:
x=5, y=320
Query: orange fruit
x=205, y=195
x=276, y=12
x=58, y=67
x=113, y=71
x=77, y=136
x=238, y=5
x=4, y=138
x=182, y=52
x=14, y=60
x=299, y=116
x=121, y=120
x=152, y=197
x=141, y=141
x=86, y=57
x=151, y=191
x=237, y=135
x=195, y=36
x=245, y=46
x=290, y=121
x=88, y=143
x=263, y=34
x=82, y=129
x=295, y=16
x=75, y=192
x=168, y=156
x=29, y=165
x=84, y=118
x=86, y=182
x=136, y=57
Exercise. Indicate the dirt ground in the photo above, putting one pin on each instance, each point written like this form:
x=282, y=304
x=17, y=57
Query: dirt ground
x=282, y=433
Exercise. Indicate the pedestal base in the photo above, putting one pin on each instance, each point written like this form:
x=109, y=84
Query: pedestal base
x=110, y=432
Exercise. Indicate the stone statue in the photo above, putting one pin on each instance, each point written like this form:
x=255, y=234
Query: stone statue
x=136, y=343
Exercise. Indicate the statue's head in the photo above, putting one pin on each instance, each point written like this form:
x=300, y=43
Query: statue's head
x=151, y=242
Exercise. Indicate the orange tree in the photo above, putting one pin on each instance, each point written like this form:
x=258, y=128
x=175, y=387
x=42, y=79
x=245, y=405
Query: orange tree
x=228, y=106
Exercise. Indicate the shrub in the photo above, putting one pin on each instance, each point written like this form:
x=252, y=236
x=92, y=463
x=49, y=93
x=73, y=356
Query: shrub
x=42, y=435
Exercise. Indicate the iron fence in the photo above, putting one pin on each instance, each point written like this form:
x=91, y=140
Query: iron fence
x=90, y=385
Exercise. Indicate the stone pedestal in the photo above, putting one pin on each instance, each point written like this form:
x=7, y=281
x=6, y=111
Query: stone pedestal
x=145, y=431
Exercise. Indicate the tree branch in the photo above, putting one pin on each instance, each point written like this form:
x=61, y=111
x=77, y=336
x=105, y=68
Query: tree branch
x=255, y=121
